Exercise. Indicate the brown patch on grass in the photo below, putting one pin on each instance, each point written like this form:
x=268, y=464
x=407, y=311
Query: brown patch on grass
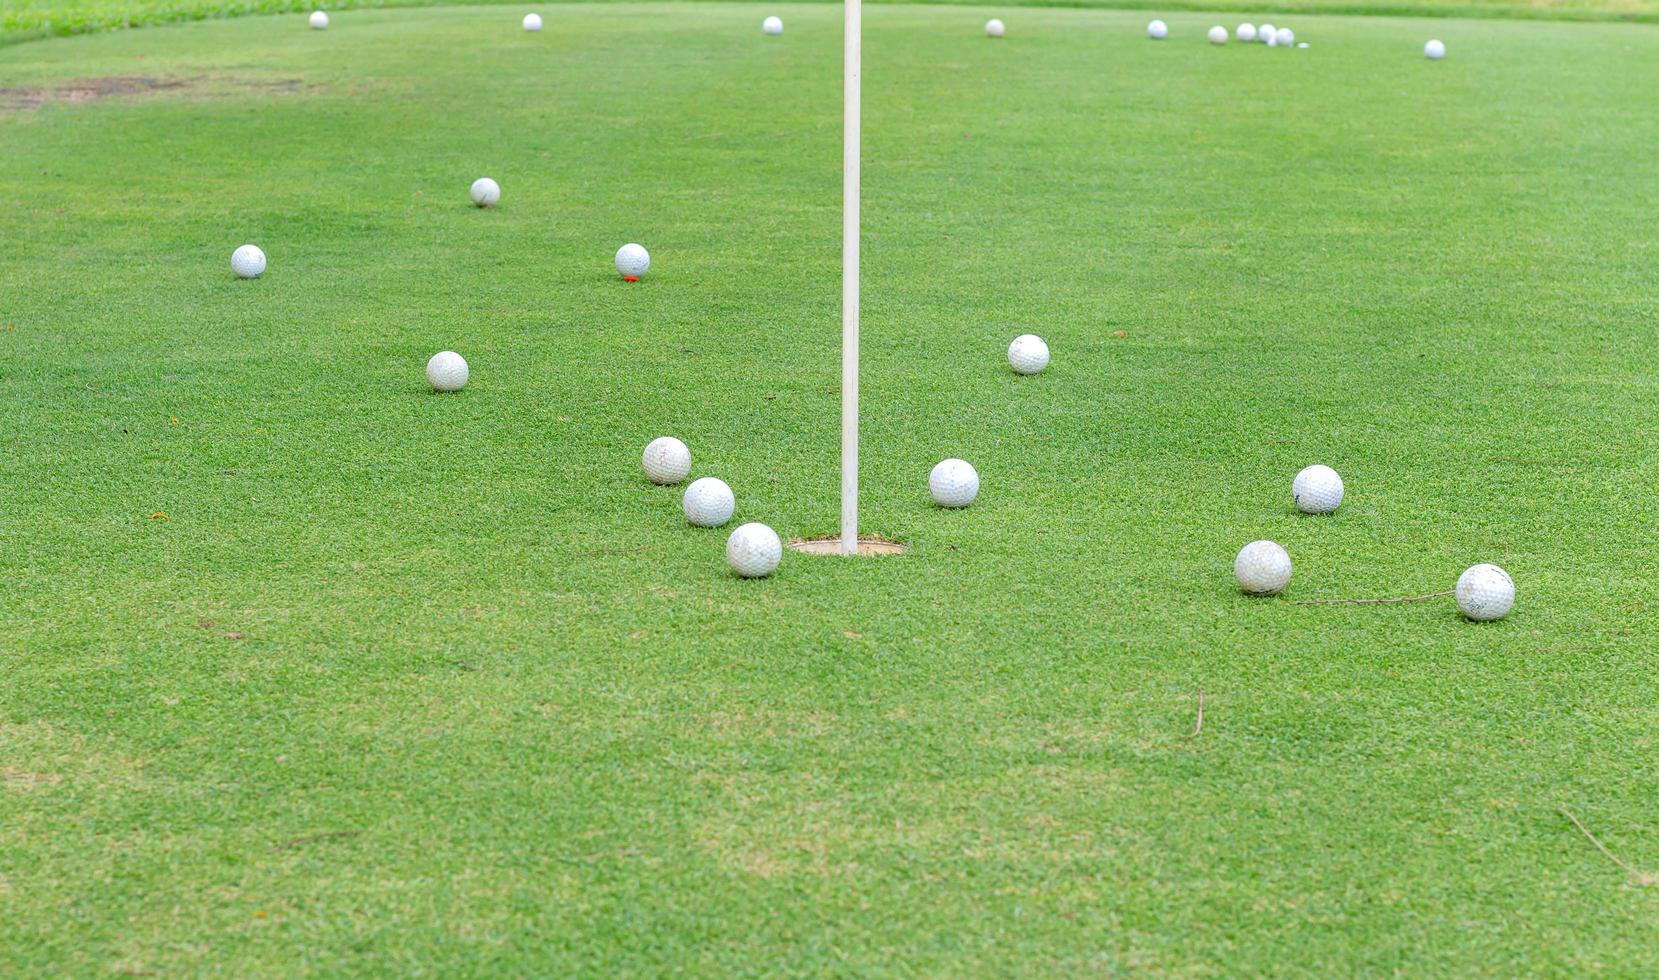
x=22, y=780
x=83, y=90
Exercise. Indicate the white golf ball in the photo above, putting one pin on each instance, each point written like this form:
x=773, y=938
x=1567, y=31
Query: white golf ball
x=1266, y=33
x=772, y=25
x=1218, y=35
x=753, y=550
x=1485, y=592
x=1157, y=30
x=446, y=371
x=1434, y=50
x=667, y=460
x=1262, y=568
x=1271, y=40
x=1285, y=37
x=709, y=502
x=248, y=262
x=485, y=192
x=1300, y=45
x=532, y=22
x=1317, y=490
x=953, y=483
x=994, y=28
x=1245, y=32
x=1027, y=354
x=632, y=261
x=319, y=20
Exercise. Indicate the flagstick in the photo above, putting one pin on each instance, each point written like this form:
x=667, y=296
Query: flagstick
x=849, y=283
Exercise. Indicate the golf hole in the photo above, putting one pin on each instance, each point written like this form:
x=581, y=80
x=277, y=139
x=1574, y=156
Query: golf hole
x=867, y=547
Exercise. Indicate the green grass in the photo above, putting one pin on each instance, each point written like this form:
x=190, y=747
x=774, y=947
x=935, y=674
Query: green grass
x=22, y=20
x=547, y=729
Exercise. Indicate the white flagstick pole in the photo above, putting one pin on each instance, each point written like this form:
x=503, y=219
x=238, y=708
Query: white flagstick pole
x=851, y=95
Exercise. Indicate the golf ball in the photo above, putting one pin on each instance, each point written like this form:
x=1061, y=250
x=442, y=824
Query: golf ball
x=1262, y=568
x=1485, y=592
x=632, y=261
x=953, y=483
x=532, y=22
x=1245, y=32
x=753, y=550
x=709, y=502
x=485, y=192
x=1271, y=40
x=1157, y=30
x=1027, y=354
x=248, y=262
x=1218, y=35
x=319, y=20
x=1265, y=33
x=447, y=371
x=772, y=25
x=667, y=460
x=1285, y=37
x=993, y=28
x=1434, y=50
x=1317, y=490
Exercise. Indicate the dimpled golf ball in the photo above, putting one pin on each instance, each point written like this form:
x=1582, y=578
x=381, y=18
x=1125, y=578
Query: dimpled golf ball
x=772, y=25
x=993, y=28
x=1485, y=593
x=709, y=502
x=1245, y=32
x=1317, y=490
x=1157, y=30
x=953, y=483
x=248, y=262
x=446, y=371
x=632, y=261
x=1265, y=33
x=1262, y=568
x=1285, y=37
x=753, y=550
x=532, y=22
x=667, y=460
x=1434, y=50
x=485, y=192
x=319, y=20
x=1218, y=35
x=1027, y=354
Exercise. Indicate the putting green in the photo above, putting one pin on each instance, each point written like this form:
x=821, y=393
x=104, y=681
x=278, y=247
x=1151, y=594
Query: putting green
x=308, y=669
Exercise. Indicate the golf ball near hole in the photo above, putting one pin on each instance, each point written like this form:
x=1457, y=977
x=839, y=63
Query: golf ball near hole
x=1485, y=593
x=1285, y=37
x=632, y=261
x=1027, y=354
x=1434, y=50
x=1317, y=490
x=953, y=483
x=319, y=20
x=1245, y=32
x=709, y=502
x=1158, y=30
x=248, y=262
x=667, y=461
x=1218, y=35
x=485, y=192
x=753, y=550
x=1262, y=568
x=446, y=371
x=772, y=25
x=993, y=28
x=532, y=22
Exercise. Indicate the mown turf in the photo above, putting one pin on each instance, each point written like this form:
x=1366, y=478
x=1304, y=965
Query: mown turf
x=307, y=669
x=22, y=20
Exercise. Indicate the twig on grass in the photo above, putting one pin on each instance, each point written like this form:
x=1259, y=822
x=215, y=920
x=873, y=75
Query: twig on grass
x=1200, y=725
x=1642, y=877
x=1370, y=602
x=313, y=838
